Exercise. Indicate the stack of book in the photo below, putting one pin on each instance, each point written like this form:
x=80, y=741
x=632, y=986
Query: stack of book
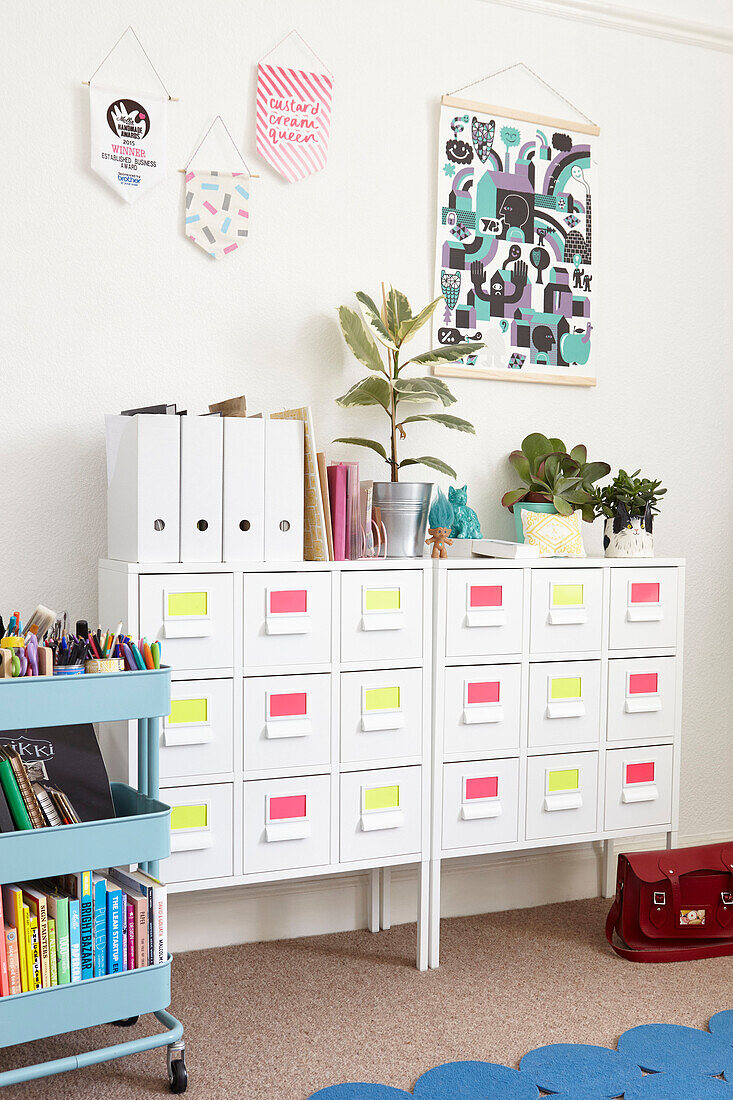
x=74, y=927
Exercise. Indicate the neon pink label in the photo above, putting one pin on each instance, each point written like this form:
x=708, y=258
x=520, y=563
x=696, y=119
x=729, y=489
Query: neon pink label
x=486, y=786
x=640, y=773
x=644, y=592
x=486, y=595
x=290, y=601
x=487, y=691
x=643, y=683
x=288, y=705
x=287, y=806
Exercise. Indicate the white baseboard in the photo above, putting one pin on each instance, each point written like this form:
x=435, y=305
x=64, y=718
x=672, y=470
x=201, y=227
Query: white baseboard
x=338, y=903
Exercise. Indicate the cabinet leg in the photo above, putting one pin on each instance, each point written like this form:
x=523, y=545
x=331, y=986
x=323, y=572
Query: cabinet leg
x=434, y=918
x=609, y=870
x=423, y=915
x=373, y=902
x=385, y=914
x=672, y=839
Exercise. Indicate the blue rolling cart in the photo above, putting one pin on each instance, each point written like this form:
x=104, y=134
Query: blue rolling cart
x=140, y=833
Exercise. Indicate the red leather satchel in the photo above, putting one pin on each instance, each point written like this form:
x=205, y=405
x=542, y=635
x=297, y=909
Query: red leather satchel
x=674, y=905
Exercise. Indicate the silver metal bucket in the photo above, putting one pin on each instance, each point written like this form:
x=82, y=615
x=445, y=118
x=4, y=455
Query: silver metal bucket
x=404, y=507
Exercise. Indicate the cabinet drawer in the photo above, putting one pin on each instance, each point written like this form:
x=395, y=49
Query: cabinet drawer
x=287, y=619
x=641, y=697
x=482, y=709
x=381, y=813
x=562, y=795
x=197, y=738
x=381, y=715
x=201, y=833
x=638, y=787
x=381, y=615
x=566, y=610
x=564, y=703
x=191, y=615
x=480, y=803
x=287, y=823
x=287, y=722
x=484, y=612
x=643, y=608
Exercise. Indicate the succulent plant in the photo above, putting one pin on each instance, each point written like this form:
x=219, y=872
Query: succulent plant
x=633, y=492
x=554, y=475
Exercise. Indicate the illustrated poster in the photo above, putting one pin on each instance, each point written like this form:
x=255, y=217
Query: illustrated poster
x=128, y=139
x=514, y=247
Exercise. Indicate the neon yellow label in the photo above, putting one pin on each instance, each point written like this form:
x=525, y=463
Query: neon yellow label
x=189, y=817
x=382, y=798
x=188, y=711
x=567, y=595
x=382, y=599
x=188, y=603
x=566, y=687
x=568, y=780
x=382, y=699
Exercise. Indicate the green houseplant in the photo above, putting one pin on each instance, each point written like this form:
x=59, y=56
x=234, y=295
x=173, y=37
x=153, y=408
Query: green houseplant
x=629, y=504
x=377, y=339
x=554, y=478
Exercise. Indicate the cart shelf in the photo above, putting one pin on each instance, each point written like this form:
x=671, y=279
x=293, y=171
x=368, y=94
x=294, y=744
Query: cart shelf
x=101, y=697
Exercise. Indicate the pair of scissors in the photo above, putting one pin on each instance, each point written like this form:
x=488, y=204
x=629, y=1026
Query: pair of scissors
x=31, y=652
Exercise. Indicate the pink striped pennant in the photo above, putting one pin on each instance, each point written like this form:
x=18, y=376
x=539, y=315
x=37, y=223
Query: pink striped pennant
x=293, y=119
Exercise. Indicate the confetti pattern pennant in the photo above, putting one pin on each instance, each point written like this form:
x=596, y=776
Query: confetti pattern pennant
x=293, y=119
x=216, y=217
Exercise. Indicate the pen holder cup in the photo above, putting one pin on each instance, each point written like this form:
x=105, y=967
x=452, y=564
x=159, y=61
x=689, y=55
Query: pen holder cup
x=69, y=670
x=105, y=664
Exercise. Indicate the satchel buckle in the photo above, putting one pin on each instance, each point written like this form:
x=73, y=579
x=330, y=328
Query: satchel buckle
x=660, y=898
x=726, y=897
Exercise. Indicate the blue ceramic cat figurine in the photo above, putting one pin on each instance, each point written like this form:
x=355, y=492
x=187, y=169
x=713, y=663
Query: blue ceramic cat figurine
x=465, y=520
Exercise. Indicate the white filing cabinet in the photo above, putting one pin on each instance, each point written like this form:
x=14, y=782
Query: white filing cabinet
x=339, y=716
x=557, y=690
x=299, y=738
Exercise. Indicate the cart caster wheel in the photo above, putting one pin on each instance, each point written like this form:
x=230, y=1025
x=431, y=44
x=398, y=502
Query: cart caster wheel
x=178, y=1077
x=129, y=1022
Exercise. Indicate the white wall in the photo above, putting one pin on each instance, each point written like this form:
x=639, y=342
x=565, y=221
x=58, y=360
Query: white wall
x=106, y=305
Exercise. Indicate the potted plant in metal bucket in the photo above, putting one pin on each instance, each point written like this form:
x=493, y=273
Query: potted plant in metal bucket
x=555, y=480
x=629, y=504
x=403, y=504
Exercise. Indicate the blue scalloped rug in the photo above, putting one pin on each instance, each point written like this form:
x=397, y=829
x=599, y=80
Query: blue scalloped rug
x=652, y=1062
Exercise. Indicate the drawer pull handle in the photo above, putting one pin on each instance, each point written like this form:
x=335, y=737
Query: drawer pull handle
x=479, y=716
x=376, y=820
x=288, y=624
x=188, y=628
x=487, y=617
x=640, y=614
x=480, y=811
x=194, y=734
x=572, y=801
x=387, y=720
x=567, y=616
x=194, y=841
x=642, y=706
x=292, y=727
x=287, y=830
x=644, y=792
x=565, y=708
x=383, y=621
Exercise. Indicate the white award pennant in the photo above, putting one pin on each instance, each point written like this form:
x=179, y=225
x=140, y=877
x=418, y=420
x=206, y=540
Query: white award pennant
x=128, y=138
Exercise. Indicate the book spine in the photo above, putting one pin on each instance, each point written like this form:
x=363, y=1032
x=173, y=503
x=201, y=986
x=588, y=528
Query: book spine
x=36, y=902
x=141, y=932
x=26, y=791
x=13, y=899
x=52, y=964
x=74, y=940
x=13, y=956
x=130, y=909
x=4, y=978
x=86, y=929
x=123, y=918
x=160, y=895
x=114, y=932
x=36, y=947
x=13, y=795
x=29, y=982
x=100, y=927
x=62, y=941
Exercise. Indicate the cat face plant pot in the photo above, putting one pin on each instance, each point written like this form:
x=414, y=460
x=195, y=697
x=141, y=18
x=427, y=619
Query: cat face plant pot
x=629, y=506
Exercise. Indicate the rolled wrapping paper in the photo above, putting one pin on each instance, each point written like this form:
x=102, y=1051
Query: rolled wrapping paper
x=105, y=664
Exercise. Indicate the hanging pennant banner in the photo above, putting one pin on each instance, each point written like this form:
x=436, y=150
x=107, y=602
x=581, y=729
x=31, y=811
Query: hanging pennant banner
x=293, y=119
x=217, y=216
x=128, y=134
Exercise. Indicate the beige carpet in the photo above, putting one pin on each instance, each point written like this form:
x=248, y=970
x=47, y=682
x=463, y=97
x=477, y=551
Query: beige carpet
x=276, y=1021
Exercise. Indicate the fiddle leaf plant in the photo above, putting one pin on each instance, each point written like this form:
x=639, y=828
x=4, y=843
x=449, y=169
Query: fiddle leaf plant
x=377, y=339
